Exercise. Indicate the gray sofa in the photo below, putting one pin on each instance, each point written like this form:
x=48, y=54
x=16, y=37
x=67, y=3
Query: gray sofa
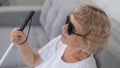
x=52, y=17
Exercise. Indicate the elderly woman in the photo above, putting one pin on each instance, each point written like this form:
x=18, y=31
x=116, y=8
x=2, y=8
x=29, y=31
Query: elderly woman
x=85, y=33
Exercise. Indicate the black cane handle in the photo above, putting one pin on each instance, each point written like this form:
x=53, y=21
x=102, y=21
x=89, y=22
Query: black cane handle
x=26, y=20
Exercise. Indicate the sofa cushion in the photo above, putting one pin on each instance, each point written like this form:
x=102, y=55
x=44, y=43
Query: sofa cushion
x=110, y=56
x=41, y=36
x=105, y=59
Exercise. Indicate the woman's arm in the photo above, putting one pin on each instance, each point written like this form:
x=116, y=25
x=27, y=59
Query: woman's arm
x=29, y=56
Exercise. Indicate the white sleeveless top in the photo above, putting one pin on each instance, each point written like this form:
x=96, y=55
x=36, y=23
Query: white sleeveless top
x=52, y=53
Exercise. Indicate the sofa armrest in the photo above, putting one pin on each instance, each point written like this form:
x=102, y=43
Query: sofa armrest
x=19, y=8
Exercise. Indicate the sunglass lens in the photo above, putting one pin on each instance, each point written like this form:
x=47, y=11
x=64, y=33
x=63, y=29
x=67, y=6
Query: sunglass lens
x=70, y=28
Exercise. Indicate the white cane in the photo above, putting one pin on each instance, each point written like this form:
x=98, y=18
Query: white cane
x=21, y=29
x=6, y=53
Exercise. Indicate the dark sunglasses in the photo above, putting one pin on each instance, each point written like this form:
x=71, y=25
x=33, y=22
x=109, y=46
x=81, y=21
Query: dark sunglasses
x=70, y=27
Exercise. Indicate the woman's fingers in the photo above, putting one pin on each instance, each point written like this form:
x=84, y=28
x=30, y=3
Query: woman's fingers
x=17, y=36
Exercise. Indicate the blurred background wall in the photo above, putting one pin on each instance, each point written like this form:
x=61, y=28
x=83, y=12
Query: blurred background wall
x=4, y=2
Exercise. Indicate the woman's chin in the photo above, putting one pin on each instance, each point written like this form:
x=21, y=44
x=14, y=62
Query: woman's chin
x=63, y=39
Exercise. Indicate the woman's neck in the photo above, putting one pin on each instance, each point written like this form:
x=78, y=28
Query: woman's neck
x=74, y=54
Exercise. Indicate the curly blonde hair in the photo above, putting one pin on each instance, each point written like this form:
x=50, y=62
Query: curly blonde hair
x=95, y=23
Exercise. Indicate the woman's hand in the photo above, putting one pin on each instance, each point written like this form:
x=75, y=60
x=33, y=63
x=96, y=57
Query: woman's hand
x=17, y=37
x=30, y=57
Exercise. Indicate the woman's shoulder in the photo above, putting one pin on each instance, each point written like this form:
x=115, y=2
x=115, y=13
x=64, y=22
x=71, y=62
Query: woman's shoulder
x=90, y=62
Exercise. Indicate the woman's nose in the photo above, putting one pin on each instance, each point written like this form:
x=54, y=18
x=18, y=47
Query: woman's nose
x=64, y=28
